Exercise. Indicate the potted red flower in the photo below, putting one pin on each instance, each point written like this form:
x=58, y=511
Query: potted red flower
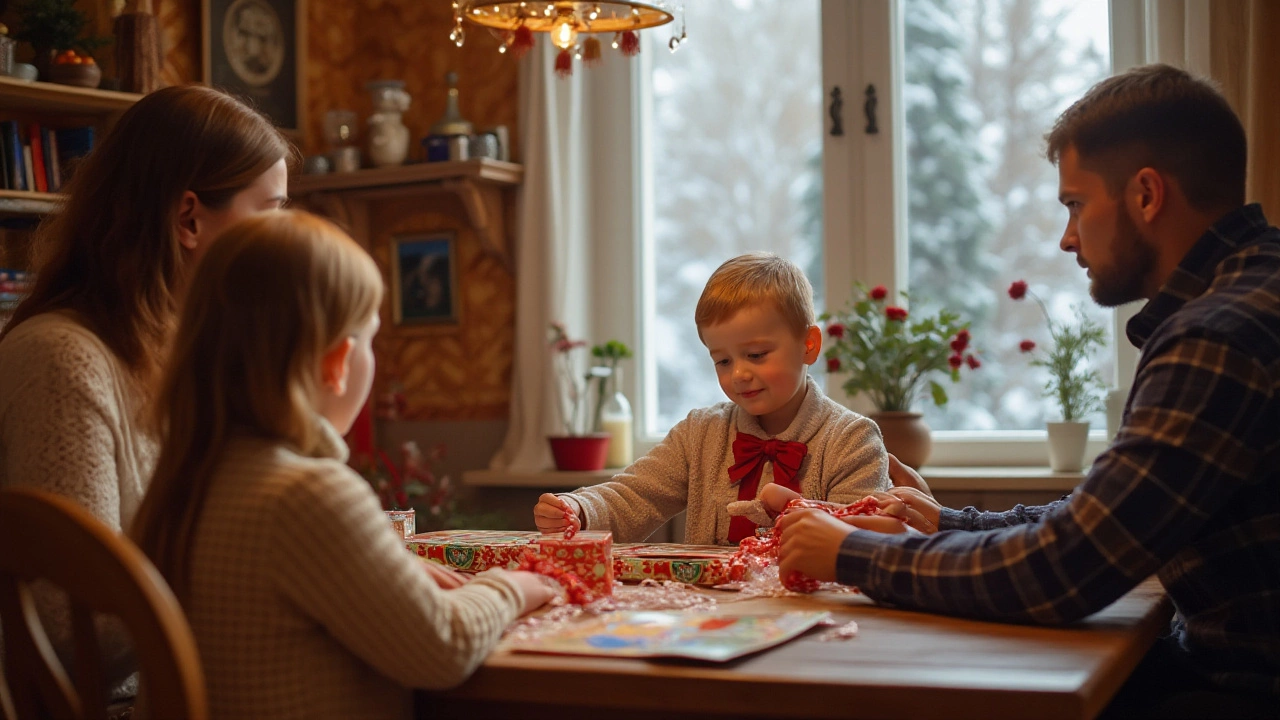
x=892, y=357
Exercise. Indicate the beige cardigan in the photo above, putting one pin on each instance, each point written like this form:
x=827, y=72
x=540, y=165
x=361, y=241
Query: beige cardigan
x=690, y=469
x=305, y=603
x=69, y=424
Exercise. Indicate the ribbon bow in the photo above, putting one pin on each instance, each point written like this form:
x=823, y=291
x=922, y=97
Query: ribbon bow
x=749, y=456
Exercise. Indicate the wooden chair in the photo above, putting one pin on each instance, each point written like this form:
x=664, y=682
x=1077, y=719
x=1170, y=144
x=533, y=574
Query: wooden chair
x=44, y=536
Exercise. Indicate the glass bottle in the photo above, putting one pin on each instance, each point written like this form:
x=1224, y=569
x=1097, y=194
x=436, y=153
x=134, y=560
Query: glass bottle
x=616, y=419
x=452, y=123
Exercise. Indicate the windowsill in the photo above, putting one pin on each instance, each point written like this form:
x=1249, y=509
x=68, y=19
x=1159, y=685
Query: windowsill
x=972, y=479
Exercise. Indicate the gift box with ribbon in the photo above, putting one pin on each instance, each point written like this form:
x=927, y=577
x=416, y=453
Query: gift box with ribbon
x=692, y=564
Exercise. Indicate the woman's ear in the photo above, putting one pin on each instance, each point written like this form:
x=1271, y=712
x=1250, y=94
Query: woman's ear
x=188, y=222
x=812, y=344
x=334, y=366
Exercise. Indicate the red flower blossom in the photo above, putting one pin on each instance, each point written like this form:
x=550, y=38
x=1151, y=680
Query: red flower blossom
x=955, y=361
x=879, y=292
x=973, y=362
x=836, y=330
x=1018, y=289
x=895, y=313
x=1027, y=346
x=833, y=364
x=961, y=341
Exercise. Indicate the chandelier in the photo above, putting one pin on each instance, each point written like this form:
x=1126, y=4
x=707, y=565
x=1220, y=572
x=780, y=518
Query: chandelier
x=572, y=25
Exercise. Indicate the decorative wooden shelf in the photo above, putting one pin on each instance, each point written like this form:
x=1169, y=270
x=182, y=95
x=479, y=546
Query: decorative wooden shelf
x=52, y=98
x=478, y=183
x=480, y=169
x=26, y=204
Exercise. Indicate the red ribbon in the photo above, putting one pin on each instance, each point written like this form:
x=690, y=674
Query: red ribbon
x=750, y=453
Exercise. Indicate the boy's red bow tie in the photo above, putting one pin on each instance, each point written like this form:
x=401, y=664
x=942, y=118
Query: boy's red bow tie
x=749, y=456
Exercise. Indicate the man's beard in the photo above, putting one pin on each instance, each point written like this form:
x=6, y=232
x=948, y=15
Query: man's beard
x=1133, y=261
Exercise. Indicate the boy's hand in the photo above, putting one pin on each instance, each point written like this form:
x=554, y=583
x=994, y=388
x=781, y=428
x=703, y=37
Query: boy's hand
x=553, y=514
x=810, y=543
x=904, y=477
x=446, y=578
x=774, y=498
x=915, y=508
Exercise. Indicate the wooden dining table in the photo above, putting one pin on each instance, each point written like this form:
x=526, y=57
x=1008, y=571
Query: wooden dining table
x=900, y=664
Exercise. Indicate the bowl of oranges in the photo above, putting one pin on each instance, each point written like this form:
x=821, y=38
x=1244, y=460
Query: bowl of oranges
x=72, y=68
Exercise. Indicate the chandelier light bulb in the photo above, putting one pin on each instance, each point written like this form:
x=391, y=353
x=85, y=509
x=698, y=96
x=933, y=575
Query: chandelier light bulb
x=564, y=33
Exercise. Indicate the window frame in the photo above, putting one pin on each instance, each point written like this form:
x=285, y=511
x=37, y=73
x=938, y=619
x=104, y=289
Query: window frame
x=861, y=46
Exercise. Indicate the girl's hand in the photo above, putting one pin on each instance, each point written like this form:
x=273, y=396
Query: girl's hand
x=913, y=507
x=904, y=477
x=553, y=514
x=536, y=589
x=446, y=578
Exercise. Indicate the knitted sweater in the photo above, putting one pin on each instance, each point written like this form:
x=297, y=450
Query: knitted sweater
x=305, y=603
x=690, y=469
x=69, y=425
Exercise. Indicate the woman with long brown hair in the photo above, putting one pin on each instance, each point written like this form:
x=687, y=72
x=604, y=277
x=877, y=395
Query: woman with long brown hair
x=80, y=356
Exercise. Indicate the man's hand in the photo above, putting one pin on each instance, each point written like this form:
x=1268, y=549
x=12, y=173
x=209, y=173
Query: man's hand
x=915, y=508
x=904, y=477
x=446, y=578
x=550, y=514
x=810, y=543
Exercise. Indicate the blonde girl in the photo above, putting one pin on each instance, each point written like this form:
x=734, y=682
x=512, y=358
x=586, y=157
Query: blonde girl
x=303, y=601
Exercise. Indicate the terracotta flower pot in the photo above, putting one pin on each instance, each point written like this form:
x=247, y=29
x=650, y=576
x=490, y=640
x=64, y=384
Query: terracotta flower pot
x=580, y=452
x=906, y=436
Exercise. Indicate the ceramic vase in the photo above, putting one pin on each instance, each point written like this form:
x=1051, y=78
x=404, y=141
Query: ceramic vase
x=1067, y=443
x=906, y=436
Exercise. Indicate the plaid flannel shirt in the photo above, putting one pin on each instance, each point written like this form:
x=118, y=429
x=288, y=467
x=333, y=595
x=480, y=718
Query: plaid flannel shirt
x=1189, y=488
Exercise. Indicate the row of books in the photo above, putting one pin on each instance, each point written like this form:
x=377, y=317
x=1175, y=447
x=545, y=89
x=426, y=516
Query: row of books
x=38, y=158
x=14, y=285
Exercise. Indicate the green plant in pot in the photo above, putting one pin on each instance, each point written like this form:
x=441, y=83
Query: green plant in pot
x=1073, y=383
x=53, y=26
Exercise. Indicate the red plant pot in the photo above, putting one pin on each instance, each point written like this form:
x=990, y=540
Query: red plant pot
x=580, y=452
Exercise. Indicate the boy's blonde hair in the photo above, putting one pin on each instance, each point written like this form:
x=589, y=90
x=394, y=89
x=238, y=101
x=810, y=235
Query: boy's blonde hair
x=274, y=293
x=752, y=279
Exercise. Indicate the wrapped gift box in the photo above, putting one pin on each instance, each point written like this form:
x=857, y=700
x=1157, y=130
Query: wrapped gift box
x=588, y=555
x=692, y=564
x=473, y=550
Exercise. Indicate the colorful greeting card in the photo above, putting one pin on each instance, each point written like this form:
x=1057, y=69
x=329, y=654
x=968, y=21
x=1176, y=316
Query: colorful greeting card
x=697, y=636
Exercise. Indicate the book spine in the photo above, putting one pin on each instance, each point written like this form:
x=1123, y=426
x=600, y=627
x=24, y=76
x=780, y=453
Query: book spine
x=27, y=172
x=37, y=159
x=13, y=151
x=48, y=142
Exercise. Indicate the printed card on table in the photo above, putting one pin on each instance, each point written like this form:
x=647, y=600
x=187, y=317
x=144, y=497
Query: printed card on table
x=636, y=634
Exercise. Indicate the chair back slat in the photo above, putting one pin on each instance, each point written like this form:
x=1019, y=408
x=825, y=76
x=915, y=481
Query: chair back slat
x=44, y=536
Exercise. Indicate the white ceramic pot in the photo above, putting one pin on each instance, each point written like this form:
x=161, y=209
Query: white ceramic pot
x=1067, y=442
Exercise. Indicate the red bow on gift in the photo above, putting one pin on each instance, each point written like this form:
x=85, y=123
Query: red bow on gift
x=749, y=456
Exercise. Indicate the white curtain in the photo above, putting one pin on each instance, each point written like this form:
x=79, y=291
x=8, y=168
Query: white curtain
x=552, y=258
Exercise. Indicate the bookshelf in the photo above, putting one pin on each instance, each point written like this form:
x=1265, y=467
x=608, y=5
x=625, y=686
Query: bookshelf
x=57, y=105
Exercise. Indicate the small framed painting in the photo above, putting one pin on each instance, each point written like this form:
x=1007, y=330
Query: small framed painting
x=256, y=50
x=424, y=279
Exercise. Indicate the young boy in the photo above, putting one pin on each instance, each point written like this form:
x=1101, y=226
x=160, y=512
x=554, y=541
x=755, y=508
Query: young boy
x=756, y=318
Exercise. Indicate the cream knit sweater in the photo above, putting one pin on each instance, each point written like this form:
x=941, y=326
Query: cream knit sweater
x=69, y=425
x=690, y=469
x=305, y=604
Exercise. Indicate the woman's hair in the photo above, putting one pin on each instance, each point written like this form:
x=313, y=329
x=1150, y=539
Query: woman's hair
x=755, y=278
x=111, y=253
x=273, y=294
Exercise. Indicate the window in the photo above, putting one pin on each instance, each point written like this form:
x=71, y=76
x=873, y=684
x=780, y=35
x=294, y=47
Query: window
x=951, y=200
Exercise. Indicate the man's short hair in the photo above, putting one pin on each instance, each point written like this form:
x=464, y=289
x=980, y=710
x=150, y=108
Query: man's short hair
x=1161, y=117
x=752, y=279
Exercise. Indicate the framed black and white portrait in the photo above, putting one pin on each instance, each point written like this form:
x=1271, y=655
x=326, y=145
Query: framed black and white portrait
x=424, y=279
x=255, y=49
